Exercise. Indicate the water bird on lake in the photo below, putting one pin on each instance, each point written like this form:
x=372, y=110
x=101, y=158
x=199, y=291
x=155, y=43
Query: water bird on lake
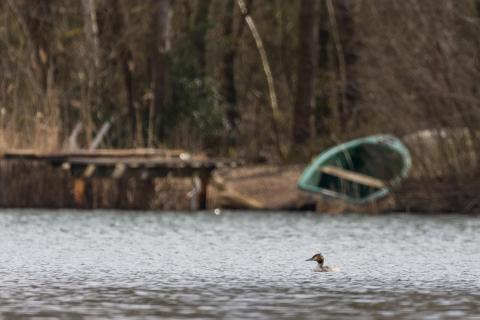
x=320, y=267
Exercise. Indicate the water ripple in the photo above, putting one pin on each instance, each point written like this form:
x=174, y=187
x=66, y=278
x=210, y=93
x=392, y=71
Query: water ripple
x=105, y=264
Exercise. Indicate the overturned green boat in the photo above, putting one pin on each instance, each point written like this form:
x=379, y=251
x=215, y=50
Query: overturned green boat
x=359, y=171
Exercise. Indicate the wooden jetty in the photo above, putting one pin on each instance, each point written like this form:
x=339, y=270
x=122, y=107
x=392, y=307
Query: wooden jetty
x=115, y=164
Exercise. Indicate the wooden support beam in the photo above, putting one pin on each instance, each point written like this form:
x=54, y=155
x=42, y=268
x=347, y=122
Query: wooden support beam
x=353, y=176
x=89, y=171
x=142, y=170
x=79, y=187
x=145, y=164
x=32, y=154
x=119, y=170
x=202, y=193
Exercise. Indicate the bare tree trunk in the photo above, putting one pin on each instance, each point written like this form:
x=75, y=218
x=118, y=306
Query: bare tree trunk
x=93, y=66
x=476, y=84
x=127, y=68
x=39, y=32
x=343, y=31
x=324, y=67
x=268, y=74
x=229, y=57
x=126, y=61
x=200, y=38
x=307, y=61
x=323, y=36
x=161, y=28
x=340, y=62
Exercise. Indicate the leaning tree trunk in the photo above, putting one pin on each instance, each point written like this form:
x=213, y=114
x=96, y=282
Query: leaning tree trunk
x=268, y=74
x=307, y=58
x=161, y=28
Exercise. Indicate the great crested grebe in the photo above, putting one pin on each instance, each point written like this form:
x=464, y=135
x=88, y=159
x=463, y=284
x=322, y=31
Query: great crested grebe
x=320, y=267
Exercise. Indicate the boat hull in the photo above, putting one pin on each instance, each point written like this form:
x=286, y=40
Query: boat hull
x=359, y=171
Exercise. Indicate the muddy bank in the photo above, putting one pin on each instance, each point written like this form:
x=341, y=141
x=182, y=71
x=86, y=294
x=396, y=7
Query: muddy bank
x=275, y=188
x=257, y=187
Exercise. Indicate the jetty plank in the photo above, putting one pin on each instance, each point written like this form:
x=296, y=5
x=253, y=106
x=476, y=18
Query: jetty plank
x=115, y=164
x=120, y=153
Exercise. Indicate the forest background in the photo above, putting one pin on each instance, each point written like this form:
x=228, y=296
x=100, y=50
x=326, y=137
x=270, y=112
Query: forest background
x=270, y=80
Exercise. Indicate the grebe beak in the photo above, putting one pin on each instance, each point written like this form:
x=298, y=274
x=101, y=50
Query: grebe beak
x=311, y=259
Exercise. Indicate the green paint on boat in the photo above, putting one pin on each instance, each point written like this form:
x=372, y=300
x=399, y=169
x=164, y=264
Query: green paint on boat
x=383, y=158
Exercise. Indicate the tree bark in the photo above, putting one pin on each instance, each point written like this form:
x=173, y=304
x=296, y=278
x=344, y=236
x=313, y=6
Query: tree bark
x=161, y=28
x=268, y=74
x=125, y=58
x=229, y=57
x=40, y=32
x=91, y=99
x=200, y=38
x=324, y=68
x=307, y=61
x=323, y=37
x=349, y=93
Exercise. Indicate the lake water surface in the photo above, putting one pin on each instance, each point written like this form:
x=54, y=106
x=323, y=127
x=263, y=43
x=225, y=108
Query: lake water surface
x=107, y=264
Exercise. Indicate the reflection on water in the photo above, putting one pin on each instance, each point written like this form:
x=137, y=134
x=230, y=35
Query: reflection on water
x=237, y=265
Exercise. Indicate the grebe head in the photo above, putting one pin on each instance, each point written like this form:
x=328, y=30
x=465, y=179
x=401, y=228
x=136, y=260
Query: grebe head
x=319, y=258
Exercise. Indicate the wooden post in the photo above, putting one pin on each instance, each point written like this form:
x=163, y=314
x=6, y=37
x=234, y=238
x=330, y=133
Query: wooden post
x=202, y=193
x=83, y=193
x=79, y=186
x=193, y=193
